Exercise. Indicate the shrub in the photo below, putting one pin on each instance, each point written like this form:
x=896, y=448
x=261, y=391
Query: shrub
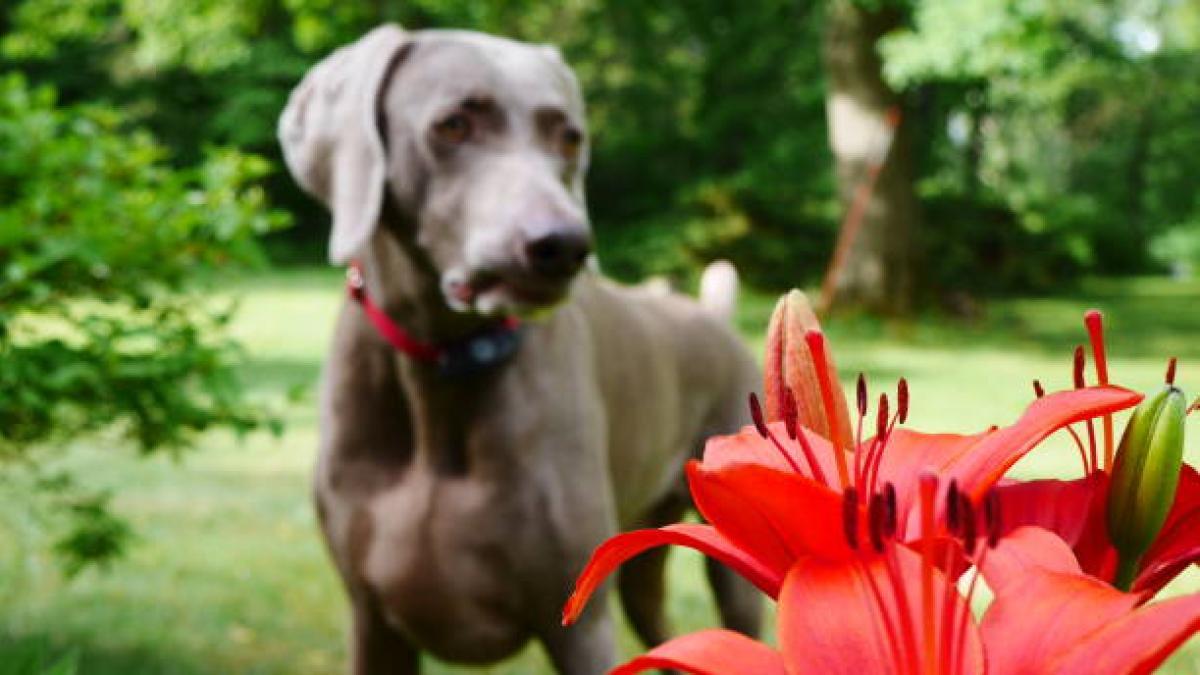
x=104, y=253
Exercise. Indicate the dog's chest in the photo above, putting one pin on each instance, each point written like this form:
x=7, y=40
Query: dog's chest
x=444, y=557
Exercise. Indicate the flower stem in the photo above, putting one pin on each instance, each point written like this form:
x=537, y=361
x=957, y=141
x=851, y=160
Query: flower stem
x=1127, y=570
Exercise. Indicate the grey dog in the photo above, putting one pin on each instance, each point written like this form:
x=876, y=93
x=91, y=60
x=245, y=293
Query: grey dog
x=459, y=503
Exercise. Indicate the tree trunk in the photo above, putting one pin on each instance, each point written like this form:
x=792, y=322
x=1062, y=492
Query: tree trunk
x=878, y=272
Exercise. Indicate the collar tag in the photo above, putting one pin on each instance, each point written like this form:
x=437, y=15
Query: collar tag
x=480, y=352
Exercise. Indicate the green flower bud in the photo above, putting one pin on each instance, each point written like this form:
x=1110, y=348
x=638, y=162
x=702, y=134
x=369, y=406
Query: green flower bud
x=1144, y=478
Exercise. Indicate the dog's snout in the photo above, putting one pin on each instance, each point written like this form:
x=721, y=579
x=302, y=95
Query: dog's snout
x=558, y=254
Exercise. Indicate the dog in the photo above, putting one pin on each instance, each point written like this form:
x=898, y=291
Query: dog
x=492, y=408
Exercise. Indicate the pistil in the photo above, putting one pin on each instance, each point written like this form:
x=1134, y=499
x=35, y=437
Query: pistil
x=816, y=345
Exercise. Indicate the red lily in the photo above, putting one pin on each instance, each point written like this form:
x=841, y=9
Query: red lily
x=1077, y=510
x=751, y=485
x=874, y=604
x=873, y=614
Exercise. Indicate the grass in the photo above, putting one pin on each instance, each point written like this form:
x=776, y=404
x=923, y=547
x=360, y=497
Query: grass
x=228, y=575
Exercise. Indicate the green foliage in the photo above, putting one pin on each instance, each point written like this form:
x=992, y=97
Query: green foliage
x=709, y=119
x=36, y=659
x=103, y=323
x=1076, y=117
x=687, y=100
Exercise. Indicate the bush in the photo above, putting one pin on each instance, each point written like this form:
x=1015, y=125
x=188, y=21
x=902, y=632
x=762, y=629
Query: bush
x=104, y=250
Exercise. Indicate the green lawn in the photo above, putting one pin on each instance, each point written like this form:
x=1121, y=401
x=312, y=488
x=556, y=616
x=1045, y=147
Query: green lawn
x=228, y=576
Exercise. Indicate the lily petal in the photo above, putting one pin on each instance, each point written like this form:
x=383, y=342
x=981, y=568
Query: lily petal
x=1060, y=506
x=1178, y=544
x=775, y=516
x=748, y=447
x=1135, y=644
x=1074, y=510
x=984, y=463
x=709, y=652
x=1047, y=612
x=832, y=620
x=612, y=553
x=908, y=453
x=1044, y=603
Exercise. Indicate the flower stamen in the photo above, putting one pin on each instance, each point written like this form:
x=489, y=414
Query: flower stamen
x=760, y=424
x=1094, y=321
x=1040, y=392
x=1080, y=383
x=875, y=515
x=969, y=526
x=993, y=518
x=875, y=452
x=927, y=486
x=861, y=400
x=850, y=517
x=889, y=503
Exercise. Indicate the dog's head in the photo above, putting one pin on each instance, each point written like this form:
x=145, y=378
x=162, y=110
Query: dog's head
x=480, y=141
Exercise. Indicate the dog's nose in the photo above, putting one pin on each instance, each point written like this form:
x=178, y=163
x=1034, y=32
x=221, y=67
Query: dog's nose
x=558, y=254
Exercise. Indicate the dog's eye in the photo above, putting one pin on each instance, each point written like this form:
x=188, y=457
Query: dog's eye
x=572, y=140
x=454, y=129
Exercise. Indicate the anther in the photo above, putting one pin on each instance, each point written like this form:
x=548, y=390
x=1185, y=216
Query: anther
x=1080, y=362
x=850, y=516
x=993, y=518
x=1171, y=371
x=882, y=416
x=756, y=415
x=969, y=528
x=791, y=412
x=889, y=510
x=876, y=512
x=862, y=395
x=953, y=521
x=902, y=400
x=1038, y=390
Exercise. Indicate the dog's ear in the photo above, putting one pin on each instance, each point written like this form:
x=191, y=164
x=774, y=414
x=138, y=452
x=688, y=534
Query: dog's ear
x=331, y=141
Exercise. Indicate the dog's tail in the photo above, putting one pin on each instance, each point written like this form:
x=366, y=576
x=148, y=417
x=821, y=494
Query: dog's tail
x=719, y=289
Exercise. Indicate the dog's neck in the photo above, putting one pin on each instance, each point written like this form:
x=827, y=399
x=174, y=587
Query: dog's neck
x=402, y=280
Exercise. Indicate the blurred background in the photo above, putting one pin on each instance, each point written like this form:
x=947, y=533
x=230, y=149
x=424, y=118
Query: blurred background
x=975, y=173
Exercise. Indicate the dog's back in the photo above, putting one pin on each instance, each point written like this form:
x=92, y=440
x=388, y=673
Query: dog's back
x=672, y=372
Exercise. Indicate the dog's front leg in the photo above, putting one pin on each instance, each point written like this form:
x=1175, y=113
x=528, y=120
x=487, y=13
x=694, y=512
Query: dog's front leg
x=586, y=647
x=376, y=649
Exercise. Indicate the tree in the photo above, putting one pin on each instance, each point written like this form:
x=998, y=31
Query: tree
x=878, y=273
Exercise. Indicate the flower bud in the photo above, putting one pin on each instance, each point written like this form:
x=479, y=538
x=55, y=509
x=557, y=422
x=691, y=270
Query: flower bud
x=1144, y=478
x=791, y=365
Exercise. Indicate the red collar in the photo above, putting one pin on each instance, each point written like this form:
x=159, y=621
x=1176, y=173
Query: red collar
x=472, y=354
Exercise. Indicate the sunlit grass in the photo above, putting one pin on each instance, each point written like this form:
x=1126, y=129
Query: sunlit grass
x=228, y=575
